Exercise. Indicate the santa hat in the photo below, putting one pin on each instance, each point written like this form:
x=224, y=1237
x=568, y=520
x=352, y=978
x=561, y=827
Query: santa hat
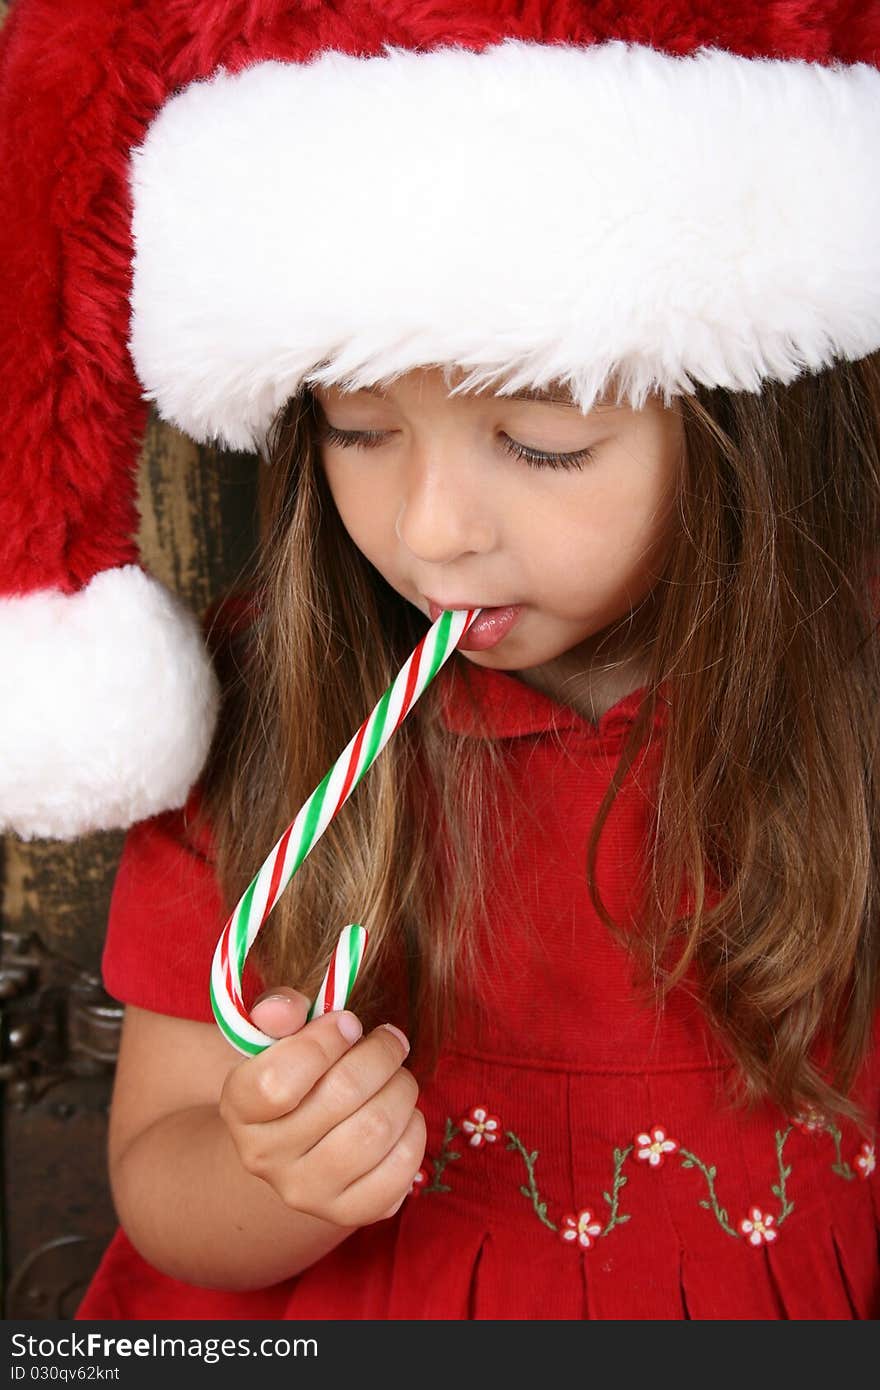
x=207, y=207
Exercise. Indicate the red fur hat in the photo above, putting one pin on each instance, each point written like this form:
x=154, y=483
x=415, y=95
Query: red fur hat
x=205, y=206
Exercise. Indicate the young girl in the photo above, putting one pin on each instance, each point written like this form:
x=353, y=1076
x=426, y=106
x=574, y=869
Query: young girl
x=542, y=311
x=576, y=1151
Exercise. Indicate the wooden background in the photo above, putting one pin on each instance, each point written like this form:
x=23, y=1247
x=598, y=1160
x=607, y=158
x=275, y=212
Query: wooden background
x=60, y=1031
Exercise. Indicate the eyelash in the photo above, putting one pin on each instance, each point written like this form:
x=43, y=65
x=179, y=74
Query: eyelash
x=535, y=458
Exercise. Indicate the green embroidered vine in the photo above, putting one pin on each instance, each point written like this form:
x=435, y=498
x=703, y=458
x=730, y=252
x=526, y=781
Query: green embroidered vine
x=689, y=1160
x=779, y=1189
x=841, y=1167
x=620, y=1157
x=531, y=1191
x=445, y=1156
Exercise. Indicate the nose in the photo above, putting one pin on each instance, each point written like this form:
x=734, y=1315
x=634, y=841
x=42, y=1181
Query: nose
x=444, y=512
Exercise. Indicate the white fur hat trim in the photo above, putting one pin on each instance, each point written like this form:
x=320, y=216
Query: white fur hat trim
x=532, y=213
x=109, y=702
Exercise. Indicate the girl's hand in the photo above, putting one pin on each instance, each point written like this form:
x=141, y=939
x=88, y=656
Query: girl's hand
x=329, y=1121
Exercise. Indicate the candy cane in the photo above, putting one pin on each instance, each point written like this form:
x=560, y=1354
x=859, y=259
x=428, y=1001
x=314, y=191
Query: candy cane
x=342, y=971
x=312, y=820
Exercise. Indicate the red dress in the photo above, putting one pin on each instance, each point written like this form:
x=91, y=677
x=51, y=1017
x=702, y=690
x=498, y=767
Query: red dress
x=582, y=1161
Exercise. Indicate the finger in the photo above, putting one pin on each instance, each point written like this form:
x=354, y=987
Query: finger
x=270, y=1085
x=389, y=1182
x=350, y=1084
x=360, y=1142
x=280, y=1012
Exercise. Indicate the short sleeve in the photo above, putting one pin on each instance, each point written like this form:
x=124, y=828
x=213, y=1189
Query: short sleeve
x=166, y=917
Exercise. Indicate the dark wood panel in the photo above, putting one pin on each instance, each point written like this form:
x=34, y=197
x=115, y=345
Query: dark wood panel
x=60, y=1213
x=59, y=1029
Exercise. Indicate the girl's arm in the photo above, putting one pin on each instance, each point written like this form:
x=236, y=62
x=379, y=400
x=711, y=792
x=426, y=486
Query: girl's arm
x=236, y=1174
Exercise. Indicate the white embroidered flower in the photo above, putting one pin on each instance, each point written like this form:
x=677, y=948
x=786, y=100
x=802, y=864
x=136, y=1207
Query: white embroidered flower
x=654, y=1145
x=419, y=1182
x=809, y=1122
x=865, y=1160
x=581, y=1228
x=758, y=1227
x=480, y=1126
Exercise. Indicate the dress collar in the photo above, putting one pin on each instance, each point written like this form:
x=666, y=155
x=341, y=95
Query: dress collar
x=485, y=703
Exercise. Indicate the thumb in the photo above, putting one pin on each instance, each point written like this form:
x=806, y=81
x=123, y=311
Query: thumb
x=280, y=1012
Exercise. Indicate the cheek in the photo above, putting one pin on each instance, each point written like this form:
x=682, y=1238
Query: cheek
x=362, y=510
x=636, y=515
x=613, y=535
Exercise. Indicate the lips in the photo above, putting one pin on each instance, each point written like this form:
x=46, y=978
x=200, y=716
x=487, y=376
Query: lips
x=488, y=630
x=437, y=608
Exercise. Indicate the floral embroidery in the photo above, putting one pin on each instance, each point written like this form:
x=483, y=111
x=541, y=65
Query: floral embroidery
x=531, y=1191
x=419, y=1181
x=580, y=1228
x=786, y=1207
x=445, y=1156
x=841, y=1167
x=810, y=1122
x=652, y=1147
x=865, y=1160
x=690, y=1160
x=758, y=1227
x=613, y=1197
x=480, y=1126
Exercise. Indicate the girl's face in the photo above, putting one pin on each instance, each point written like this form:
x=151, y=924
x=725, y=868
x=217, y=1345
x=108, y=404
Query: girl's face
x=451, y=500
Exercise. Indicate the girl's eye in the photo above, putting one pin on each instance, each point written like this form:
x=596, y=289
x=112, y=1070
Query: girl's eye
x=535, y=458
x=361, y=439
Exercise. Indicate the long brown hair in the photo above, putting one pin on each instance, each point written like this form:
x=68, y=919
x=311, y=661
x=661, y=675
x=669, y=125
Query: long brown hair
x=767, y=803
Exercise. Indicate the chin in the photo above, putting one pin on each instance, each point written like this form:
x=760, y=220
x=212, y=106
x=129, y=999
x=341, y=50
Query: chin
x=509, y=655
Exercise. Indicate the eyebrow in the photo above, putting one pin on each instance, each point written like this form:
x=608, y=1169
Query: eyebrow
x=543, y=397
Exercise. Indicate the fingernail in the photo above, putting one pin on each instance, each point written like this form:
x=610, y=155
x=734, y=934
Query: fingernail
x=349, y=1026
x=397, y=1033
x=275, y=999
